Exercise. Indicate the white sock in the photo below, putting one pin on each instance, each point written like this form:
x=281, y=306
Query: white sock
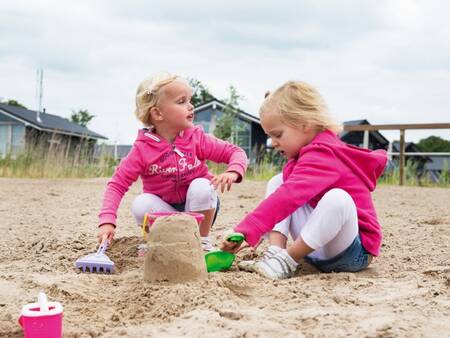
x=206, y=243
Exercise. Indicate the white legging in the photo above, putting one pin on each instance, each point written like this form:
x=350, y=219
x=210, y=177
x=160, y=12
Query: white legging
x=329, y=228
x=200, y=196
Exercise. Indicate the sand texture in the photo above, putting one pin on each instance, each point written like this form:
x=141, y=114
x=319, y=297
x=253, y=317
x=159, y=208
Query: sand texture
x=174, y=251
x=47, y=224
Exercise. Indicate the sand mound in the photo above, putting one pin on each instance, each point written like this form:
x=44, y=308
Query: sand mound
x=175, y=254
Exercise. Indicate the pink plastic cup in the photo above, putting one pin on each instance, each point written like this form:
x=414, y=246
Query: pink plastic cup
x=42, y=319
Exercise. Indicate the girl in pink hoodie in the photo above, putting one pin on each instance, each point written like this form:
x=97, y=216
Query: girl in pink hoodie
x=169, y=156
x=322, y=198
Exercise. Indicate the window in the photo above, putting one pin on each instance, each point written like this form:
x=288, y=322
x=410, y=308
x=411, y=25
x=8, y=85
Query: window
x=12, y=139
x=243, y=136
x=4, y=139
x=17, y=138
x=203, y=119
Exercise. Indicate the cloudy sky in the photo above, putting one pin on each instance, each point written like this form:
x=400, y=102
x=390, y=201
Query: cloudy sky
x=385, y=61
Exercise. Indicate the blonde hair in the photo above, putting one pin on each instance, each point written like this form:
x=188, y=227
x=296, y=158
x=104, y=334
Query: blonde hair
x=149, y=92
x=298, y=103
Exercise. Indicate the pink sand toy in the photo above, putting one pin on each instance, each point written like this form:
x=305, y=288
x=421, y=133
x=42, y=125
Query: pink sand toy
x=42, y=319
x=150, y=218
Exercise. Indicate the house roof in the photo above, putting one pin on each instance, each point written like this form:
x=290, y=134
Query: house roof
x=242, y=114
x=48, y=122
x=410, y=147
x=375, y=133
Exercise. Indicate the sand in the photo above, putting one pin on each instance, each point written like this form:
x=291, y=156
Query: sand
x=47, y=224
x=174, y=253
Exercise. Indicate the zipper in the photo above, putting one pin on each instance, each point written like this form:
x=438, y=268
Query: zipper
x=177, y=151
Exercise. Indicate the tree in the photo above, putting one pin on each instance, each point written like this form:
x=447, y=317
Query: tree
x=227, y=126
x=81, y=117
x=15, y=103
x=434, y=144
x=200, y=93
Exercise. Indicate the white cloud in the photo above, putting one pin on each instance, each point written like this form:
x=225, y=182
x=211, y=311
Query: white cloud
x=387, y=61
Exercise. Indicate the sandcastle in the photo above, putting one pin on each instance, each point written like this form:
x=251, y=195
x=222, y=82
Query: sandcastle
x=174, y=251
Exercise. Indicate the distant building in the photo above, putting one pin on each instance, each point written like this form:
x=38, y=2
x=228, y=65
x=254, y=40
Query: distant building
x=251, y=137
x=356, y=138
x=438, y=166
x=21, y=128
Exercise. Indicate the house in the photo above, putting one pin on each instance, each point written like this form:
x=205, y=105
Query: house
x=21, y=128
x=418, y=162
x=438, y=167
x=250, y=136
x=356, y=138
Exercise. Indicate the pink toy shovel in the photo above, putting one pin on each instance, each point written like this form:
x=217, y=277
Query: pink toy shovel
x=42, y=319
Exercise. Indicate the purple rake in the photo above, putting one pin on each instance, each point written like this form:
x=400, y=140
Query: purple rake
x=96, y=262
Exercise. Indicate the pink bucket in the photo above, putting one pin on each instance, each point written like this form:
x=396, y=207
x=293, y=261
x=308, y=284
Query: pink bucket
x=42, y=319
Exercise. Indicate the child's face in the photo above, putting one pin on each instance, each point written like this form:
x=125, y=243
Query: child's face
x=286, y=139
x=175, y=108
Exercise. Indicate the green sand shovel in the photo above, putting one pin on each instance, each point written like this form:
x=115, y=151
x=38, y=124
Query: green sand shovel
x=222, y=260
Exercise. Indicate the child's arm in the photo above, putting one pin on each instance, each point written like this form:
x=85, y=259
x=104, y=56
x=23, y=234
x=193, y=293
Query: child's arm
x=315, y=172
x=219, y=151
x=126, y=173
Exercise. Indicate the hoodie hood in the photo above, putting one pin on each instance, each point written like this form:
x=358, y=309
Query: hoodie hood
x=367, y=164
x=147, y=135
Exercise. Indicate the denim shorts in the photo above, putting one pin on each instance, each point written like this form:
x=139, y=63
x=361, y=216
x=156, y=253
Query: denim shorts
x=181, y=207
x=354, y=258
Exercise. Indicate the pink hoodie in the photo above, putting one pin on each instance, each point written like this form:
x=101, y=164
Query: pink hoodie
x=322, y=165
x=167, y=169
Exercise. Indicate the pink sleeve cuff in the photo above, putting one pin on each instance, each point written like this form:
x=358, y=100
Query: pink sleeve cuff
x=237, y=169
x=107, y=218
x=252, y=235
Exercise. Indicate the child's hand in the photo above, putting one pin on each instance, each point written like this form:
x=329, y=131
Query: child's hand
x=224, y=180
x=106, y=232
x=229, y=245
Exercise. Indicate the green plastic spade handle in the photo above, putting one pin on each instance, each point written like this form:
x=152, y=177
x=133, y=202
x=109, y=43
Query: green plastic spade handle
x=235, y=237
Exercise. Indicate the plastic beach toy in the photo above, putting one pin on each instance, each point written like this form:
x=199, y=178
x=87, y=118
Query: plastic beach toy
x=96, y=262
x=150, y=218
x=222, y=260
x=42, y=319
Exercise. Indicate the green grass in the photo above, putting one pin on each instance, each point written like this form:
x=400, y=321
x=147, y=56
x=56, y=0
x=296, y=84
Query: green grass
x=39, y=163
x=411, y=177
x=36, y=163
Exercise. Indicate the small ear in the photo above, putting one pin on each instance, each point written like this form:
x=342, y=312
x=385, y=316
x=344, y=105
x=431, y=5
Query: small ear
x=155, y=114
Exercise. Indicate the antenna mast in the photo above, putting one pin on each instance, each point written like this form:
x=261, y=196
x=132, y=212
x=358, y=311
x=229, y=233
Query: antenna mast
x=39, y=92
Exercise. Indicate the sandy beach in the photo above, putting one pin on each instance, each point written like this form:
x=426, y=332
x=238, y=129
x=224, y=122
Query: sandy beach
x=48, y=224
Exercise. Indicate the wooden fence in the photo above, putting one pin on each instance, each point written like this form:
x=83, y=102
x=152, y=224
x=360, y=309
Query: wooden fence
x=401, y=127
